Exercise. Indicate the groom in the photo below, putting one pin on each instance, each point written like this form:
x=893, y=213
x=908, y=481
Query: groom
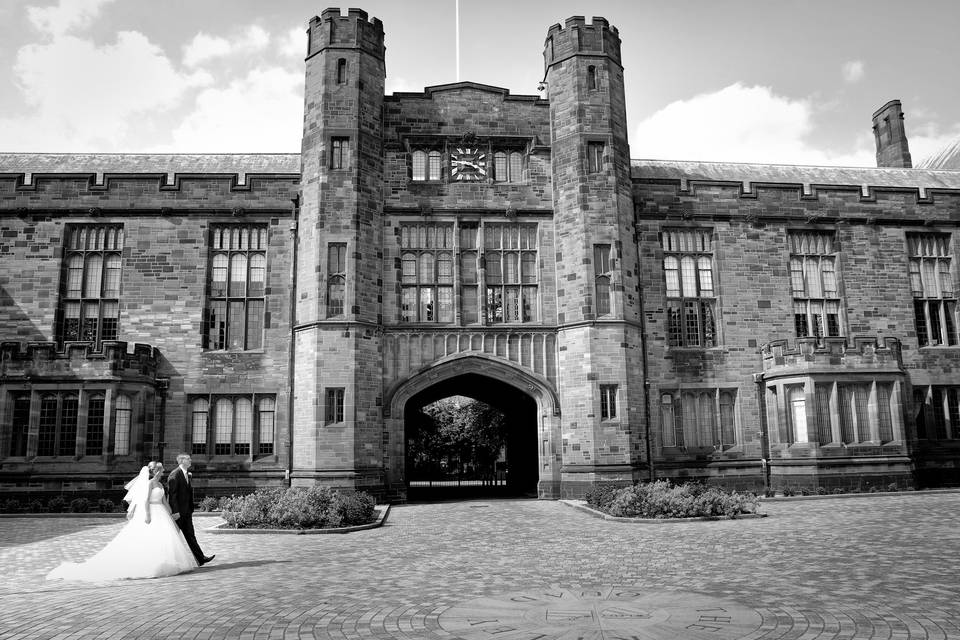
x=180, y=490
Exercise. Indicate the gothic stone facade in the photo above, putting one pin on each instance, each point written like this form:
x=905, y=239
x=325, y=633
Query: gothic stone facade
x=279, y=316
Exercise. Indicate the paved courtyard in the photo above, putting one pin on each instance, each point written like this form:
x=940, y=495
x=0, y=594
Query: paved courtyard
x=852, y=568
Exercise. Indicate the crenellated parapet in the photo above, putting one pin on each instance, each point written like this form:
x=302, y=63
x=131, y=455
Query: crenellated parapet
x=812, y=355
x=355, y=30
x=78, y=361
x=576, y=37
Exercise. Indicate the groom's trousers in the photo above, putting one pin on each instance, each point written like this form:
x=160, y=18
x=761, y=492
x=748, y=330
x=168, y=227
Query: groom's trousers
x=186, y=526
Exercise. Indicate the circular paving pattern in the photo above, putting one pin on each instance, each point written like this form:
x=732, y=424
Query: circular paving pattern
x=602, y=612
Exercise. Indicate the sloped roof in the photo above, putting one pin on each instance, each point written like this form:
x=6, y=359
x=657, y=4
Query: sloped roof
x=921, y=179
x=240, y=164
x=947, y=159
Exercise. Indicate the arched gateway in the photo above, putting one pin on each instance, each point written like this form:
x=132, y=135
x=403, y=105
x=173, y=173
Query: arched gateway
x=529, y=402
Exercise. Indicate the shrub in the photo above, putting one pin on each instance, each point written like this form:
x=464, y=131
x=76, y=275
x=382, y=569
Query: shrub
x=10, y=505
x=600, y=496
x=297, y=508
x=35, y=506
x=80, y=505
x=355, y=508
x=106, y=505
x=56, y=504
x=209, y=503
x=662, y=499
x=893, y=486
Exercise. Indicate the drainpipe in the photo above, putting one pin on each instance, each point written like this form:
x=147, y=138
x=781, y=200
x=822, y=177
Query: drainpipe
x=294, y=238
x=764, y=434
x=646, y=379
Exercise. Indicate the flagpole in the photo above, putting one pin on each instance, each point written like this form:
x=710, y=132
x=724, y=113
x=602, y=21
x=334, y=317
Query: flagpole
x=457, y=19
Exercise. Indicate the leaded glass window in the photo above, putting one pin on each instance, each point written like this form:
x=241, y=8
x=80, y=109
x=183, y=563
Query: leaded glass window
x=89, y=308
x=691, y=299
x=931, y=283
x=237, y=287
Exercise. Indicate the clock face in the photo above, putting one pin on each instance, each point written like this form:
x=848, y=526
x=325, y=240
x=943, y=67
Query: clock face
x=468, y=164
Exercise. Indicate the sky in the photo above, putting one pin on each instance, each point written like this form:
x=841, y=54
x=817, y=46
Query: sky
x=768, y=81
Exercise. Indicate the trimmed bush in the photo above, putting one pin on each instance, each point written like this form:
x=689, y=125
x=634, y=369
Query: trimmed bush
x=79, y=505
x=298, y=508
x=10, y=505
x=209, y=503
x=662, y=499
x=56, y=504
x=599, y=496
x=106, y=505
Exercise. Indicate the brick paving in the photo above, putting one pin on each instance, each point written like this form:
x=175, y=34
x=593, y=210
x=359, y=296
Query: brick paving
x=866, y=567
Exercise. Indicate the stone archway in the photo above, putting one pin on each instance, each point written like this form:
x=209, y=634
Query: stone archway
x=491, y=380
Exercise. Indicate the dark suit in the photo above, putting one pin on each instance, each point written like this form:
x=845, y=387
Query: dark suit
x=180, y=495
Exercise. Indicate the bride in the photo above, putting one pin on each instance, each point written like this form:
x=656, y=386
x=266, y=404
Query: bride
x=150, y=545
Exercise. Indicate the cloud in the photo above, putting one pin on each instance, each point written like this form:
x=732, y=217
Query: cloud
x=740, y=124
x=852, y=71
x=204, y=47
x=394, y=84
x=261, y=112
x=84, y=97
x=293, y=44
x=66, y=16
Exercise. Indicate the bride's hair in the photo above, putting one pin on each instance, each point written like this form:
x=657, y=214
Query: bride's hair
x=154, y=465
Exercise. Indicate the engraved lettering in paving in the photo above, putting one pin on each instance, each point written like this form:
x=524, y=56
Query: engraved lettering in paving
x=604, y=613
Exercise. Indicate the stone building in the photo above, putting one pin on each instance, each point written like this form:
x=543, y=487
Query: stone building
x=281, y=317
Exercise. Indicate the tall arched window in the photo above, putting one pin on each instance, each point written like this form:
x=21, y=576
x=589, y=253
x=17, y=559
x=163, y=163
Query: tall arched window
x=728, y=428
x=706, y=417
x=223, y=426
x=689, y=417
x=797, y=403
x=419, y=165
x=243, y=427
x=122, y=425
x=265, y=424
x=672, y=437
x=95, y=421
x=591, y=77
x=341, y=70
x=198, y=430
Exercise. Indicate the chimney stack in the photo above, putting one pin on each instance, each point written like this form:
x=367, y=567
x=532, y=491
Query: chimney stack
x=891, y=137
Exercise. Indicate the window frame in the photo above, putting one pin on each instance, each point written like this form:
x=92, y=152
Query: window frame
x=692, y=302
x=236, y=308
x=709, y=426
x=207, y=435
x=334, y=401
x=92, y=258
x=817, y=297
x=932, y=285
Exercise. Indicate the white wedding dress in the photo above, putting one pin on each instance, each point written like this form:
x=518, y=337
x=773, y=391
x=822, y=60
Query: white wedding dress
x=140, y=550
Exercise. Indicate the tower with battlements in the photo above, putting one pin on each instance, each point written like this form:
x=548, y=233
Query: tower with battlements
x=336, y=418
x=598, y=320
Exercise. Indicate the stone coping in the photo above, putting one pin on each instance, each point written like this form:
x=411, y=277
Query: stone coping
x=582, y=506
x=862, y=494
x=382, y=511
